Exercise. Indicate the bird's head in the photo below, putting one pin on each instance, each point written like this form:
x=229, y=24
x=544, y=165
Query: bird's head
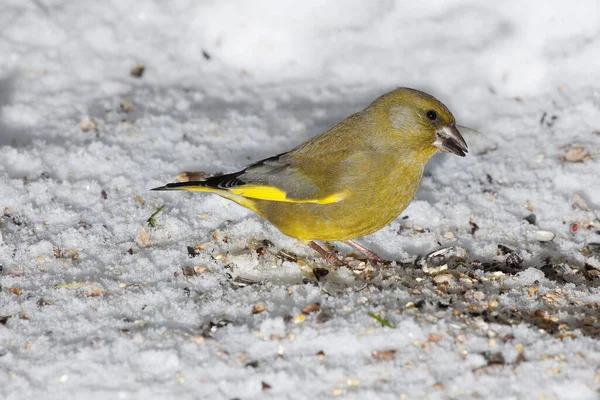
x=419, y=122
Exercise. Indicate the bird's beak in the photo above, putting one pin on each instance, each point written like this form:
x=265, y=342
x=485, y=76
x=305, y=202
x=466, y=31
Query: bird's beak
x=450, y=140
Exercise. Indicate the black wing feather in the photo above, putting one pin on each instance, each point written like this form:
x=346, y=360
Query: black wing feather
x=236, y=179
x=226, y=181
x=277, y=171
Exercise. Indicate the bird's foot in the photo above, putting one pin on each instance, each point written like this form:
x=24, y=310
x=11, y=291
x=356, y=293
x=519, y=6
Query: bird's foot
x=327, y=255
x=336, y=262
x=368, y=253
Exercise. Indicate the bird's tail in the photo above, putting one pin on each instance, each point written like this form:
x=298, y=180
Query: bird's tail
x=193, y=186
x=192, y=181
x=203, y=182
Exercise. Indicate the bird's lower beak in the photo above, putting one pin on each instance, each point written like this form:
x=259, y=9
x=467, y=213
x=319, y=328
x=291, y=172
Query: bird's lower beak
x=450, y=140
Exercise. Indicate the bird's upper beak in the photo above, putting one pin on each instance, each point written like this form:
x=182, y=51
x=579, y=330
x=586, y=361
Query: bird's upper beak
x=450, y=140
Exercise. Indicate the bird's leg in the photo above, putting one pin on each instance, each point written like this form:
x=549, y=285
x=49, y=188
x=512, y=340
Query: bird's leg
x=329, y=257
x=368, y=253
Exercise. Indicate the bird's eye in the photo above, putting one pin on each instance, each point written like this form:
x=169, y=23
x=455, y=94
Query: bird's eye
x=432, y=115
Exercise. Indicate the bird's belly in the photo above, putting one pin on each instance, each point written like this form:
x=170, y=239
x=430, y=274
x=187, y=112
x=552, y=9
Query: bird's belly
x=347, y=219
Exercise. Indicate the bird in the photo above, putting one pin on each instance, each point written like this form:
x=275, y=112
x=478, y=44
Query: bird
x=347, y=182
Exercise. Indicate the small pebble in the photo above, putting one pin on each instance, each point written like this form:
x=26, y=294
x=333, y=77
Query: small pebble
x=138, y=71
x=258, y=308
x=384, y=355
x=449, y=235
x=443, y=279
x=197, y=339
x=544, y=236
x=15, y=291
x=576, y=154
x=313, y=307
x=88, y=124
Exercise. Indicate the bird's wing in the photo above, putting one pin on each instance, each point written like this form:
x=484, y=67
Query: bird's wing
x=278, y=178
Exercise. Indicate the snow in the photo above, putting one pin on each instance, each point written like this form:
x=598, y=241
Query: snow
x=95, y=302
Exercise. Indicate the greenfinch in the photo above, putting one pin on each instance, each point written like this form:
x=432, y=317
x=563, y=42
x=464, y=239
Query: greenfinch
x=349, y=181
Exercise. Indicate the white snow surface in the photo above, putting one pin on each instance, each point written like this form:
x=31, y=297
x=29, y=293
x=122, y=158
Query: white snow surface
x=96, y=303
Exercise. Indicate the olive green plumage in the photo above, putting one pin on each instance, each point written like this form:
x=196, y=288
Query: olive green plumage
x=349, y=181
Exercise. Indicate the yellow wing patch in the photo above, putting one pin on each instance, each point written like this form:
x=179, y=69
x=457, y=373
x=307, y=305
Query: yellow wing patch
x=273, y=194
